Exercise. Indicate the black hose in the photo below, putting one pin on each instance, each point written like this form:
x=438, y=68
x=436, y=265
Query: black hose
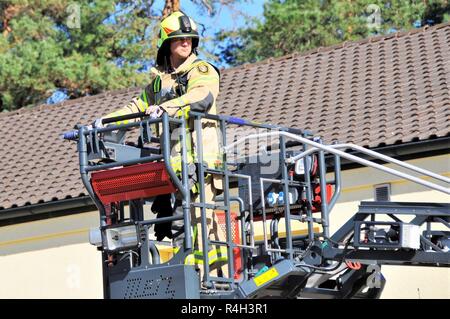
x=123, y=117
x=344, y=254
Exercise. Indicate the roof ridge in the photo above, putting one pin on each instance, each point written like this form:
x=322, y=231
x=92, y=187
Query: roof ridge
x=377, y=38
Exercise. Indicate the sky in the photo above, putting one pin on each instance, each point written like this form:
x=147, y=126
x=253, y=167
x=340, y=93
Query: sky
x=225, y=18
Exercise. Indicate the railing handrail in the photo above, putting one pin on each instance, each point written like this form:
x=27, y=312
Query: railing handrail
x=375, y=155
x=332, y=150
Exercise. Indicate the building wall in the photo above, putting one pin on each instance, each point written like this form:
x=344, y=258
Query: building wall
x=50, y=258
x=53, y=259
x=70, y=271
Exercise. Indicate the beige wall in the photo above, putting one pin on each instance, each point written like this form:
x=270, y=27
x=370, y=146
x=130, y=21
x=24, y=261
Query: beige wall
x=47, y=233
x=70, y=271
x=52, y=258
x=416, y=282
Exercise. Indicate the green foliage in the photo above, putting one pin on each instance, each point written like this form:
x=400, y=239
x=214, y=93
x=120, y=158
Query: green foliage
x=42, y=50
x=299, y=25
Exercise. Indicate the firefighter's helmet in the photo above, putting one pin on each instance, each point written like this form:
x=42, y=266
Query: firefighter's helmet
x=176, y=25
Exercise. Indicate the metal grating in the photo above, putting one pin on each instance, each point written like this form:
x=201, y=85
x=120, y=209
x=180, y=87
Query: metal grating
x=235, y=237
x=132, y=182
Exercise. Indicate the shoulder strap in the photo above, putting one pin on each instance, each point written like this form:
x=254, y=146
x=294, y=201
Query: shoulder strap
x=182, y=79
x=196, y=63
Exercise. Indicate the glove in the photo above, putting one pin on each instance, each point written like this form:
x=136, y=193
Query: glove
x=98, y=123
x=154, y=111
x=163, y=208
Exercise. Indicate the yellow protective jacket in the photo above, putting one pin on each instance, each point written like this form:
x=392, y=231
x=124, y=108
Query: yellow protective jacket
x=201, y=91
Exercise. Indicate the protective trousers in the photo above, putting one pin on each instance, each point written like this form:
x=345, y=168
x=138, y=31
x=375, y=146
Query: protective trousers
x=217, y=254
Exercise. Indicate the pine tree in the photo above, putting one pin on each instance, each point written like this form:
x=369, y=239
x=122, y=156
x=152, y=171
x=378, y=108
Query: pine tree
x=299, y=25
x=68, y=49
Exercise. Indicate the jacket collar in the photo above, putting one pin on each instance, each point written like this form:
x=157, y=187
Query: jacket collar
x=184, y=67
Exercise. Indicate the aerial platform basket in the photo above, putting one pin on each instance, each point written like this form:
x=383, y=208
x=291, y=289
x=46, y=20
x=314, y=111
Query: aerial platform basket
x=132, y=182
x=267, y=263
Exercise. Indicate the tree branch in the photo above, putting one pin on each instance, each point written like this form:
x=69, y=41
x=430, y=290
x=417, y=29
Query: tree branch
x=170, y=6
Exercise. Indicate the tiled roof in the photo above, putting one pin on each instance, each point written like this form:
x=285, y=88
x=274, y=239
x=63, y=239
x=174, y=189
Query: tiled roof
x=35, y=164
x=379, y=91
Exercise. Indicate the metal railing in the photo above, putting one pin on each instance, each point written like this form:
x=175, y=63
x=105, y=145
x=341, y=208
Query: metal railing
x=91, y=136
x=284, y=136
x=333, y=150
x=317, y=147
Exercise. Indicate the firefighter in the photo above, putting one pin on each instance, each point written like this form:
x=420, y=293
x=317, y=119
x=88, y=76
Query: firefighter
x=182, y=82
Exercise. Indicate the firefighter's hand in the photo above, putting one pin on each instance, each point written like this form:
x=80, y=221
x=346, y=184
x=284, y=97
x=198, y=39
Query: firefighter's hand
x=154, y=111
